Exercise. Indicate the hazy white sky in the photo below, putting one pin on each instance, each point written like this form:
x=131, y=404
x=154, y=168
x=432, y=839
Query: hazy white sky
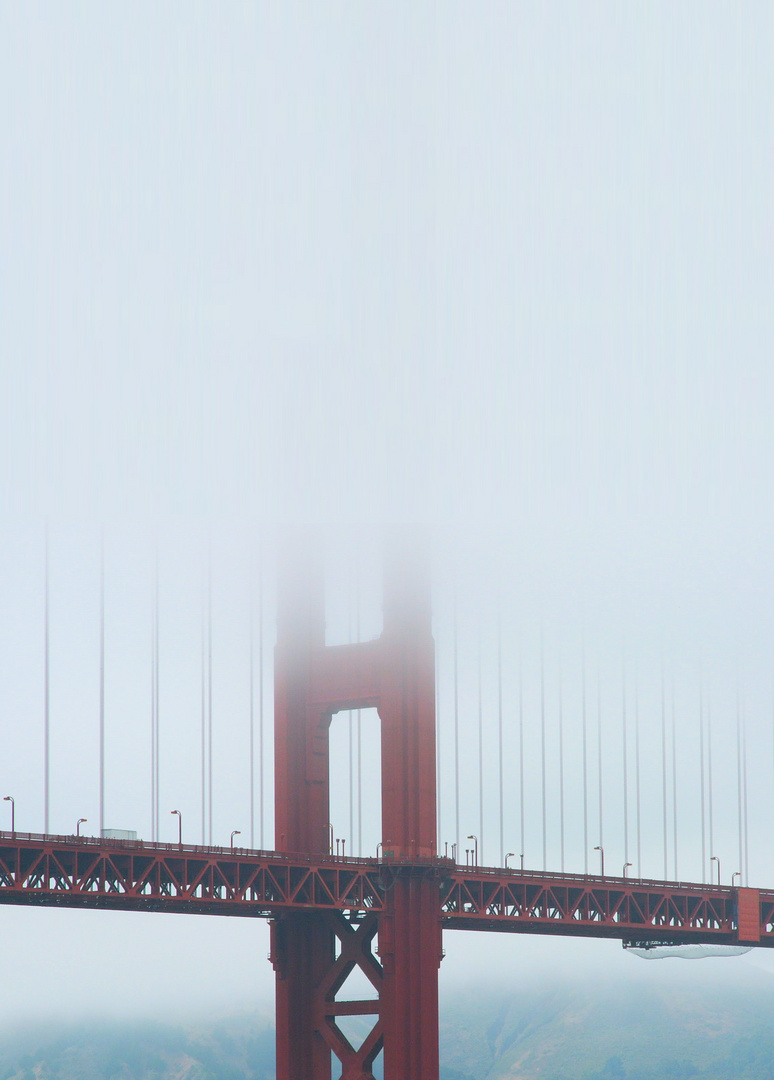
x=502, y=269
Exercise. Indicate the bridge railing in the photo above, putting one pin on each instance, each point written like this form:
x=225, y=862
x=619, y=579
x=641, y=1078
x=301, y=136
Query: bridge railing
x=305, y=858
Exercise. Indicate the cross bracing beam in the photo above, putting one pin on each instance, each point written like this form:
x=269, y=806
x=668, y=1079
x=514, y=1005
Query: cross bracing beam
x=85, y=872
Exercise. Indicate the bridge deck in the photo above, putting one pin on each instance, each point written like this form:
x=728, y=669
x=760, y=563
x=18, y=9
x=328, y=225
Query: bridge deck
x=68, y=871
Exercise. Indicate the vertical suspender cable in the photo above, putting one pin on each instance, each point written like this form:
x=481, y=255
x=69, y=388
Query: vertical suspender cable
x=251, y=662
x=521, y=754
x=351, y=756
x=624, y=741
x=156, y=690
x=359, y=741
x=543, y=748
x=102, y=686
x=704, y=863
x=456, y=742
x=674, y=785
x=46, y=696
x=153, y=711
x=203, y=659
x=260, y=709
x=480, y=758
x=637, y=774
x=500, y=731
x=739, y=780
x=585, y=763
x=664, y=775
x=438, y=801
x=209, y=701
x=561, y=777
x=709, y=779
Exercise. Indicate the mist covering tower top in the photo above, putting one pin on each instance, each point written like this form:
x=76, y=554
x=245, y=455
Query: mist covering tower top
x=394, y=673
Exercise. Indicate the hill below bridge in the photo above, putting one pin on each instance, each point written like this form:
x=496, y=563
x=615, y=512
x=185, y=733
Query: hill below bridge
x=709, y=1020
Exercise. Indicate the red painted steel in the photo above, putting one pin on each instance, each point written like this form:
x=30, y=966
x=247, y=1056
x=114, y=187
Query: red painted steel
x=396, y=675
x=68, y=871
x=327, y=912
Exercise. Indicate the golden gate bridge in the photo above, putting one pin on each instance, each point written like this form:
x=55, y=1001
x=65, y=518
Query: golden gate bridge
x=383, y=916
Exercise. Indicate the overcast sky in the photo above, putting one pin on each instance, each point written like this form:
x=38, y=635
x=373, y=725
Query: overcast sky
x=503, y=270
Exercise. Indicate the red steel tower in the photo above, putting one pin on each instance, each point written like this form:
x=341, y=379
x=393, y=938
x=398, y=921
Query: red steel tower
x=314, y=952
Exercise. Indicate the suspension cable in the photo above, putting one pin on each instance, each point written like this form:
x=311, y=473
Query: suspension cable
x=209, y=699
x=500, y=729
x=739, y=779
x=203, y=662
x=102, y=686
x=47, y=694
x=704, y=863
x=674, y=784
x=624, y=742
x=480, y=757
x=521, y=752
x=456, y=741
x=252, y=721
x=664, y=775
x=585, y=762
x=543, y=746
x=261, y=773
x=709, y=776
x=561, y=773
x=637, y=773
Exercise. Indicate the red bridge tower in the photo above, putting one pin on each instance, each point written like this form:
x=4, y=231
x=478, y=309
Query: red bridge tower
x=396, y=675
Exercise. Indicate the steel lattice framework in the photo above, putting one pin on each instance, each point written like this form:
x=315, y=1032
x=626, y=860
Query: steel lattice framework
x=384, y=916
x=67, y=871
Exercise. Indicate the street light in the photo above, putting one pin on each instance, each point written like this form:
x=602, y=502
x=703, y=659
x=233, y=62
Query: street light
x=9, y=798
x=81, y=821
x=601, y=851
x=234, y=832
x=736, y=873
x=329, y=827
x=626, y=867
x=179, y=826
x=714, y=858
x=522, y=860
x=510, y=855
x=472, y=837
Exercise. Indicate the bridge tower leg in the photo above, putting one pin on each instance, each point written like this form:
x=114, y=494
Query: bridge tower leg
x=395, y=674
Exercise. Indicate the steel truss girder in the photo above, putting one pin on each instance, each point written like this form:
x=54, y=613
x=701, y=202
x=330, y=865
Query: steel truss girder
x=65, y=871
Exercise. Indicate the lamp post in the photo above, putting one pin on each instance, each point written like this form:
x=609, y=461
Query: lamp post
x=522, y=860
x=601, y=851
x=179, y=826
x=234, y=832
x=329, y=827
x=714, y=858
x=626, y=867
x=9, y=798
x=510, y=855
x=80, y=821
x=736, y=873
x=475, y=850
x=379, y=845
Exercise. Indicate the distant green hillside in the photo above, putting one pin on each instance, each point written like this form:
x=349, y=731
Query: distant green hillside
x=666, y=1023
x=708, y=1023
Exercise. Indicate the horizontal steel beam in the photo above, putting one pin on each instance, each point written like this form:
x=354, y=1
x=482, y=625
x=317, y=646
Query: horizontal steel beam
x=131, y=875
